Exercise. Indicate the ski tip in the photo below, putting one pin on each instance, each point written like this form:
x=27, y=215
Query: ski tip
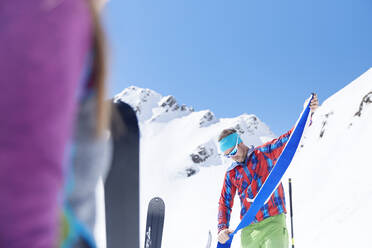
x=158, y=203
x=157, y=200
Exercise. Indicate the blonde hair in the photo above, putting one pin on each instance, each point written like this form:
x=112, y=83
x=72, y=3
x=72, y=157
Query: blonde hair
x=225, y=133
x=99, y=68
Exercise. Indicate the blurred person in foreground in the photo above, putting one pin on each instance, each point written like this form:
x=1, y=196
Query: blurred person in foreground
x=248, y=172
x=53, y=117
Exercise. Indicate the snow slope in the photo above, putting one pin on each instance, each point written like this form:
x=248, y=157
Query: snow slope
x=332, y=172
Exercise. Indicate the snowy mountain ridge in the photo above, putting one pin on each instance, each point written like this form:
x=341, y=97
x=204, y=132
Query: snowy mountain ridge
x=151, y=106
x=159, y=115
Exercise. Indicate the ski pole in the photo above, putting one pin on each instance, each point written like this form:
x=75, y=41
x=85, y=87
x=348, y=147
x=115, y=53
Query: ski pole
x=290, y=207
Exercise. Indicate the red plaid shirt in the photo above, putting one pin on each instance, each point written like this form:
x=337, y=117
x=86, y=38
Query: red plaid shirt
x=247, y=178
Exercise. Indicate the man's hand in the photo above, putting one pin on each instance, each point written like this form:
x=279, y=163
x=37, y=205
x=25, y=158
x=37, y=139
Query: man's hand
x=223, y=235
x=314, y=104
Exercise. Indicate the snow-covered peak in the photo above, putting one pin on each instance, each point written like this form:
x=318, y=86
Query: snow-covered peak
x=150, y=106
x=143, y=101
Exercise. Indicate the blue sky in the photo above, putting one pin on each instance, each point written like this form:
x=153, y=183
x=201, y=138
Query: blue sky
x=240, y=56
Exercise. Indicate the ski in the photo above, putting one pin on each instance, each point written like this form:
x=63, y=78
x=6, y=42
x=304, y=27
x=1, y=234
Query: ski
x=122, y=182
x=154, y=223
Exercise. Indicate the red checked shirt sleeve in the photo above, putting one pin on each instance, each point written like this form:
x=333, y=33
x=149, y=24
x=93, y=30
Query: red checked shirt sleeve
x=266, y=156
x=226, y=200
x=276, y=146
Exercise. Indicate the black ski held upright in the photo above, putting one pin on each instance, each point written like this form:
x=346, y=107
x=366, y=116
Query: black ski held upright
x=291, y=209
x=154, y=223
x=122, y=182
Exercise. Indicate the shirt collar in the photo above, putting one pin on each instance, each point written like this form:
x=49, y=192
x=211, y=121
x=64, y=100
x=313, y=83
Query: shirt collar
x=235, y=163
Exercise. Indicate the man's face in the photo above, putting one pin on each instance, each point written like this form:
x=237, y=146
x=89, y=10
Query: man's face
x=239, y=156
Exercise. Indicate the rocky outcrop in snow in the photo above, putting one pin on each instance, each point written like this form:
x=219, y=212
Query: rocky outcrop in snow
x=150, y=106
x=205, y=154
x=143, y=101
x=207, y=119
x=168, y=109
x=366, y=100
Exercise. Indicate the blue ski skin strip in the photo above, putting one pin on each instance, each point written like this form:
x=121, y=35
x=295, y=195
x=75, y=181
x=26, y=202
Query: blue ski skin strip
x=275, y=176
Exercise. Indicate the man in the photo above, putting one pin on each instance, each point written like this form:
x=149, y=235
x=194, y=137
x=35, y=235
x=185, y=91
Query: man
x=246, y=175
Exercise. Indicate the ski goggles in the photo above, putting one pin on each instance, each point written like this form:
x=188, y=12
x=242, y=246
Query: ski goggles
x=232, y=140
